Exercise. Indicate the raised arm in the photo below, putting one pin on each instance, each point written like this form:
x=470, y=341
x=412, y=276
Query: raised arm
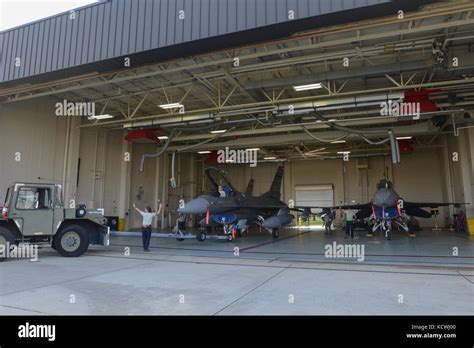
x=138, y=210
x=160, y=206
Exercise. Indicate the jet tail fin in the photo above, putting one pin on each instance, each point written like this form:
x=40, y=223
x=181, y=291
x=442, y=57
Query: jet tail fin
x=249, y=189
x=275, y=189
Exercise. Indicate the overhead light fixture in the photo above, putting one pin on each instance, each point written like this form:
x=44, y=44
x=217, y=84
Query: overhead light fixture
x=338, y=142
x=219, y=131
x=164, y=137
x=343, y=152
x=204, y=152
x=171, y=106
x=270, y=158
x=404, y=138
x=100, y=117
x=307, y=87
x=254, y=149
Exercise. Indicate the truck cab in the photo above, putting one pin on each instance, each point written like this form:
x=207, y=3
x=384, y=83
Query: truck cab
x=35, y=213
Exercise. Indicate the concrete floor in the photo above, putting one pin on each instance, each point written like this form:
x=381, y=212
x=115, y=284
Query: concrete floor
x=288, y=276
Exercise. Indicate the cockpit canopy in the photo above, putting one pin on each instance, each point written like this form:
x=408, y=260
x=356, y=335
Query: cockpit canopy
x=384, y=183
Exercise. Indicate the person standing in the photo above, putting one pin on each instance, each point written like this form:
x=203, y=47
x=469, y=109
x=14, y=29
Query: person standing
x=222, y=193
x=147, y=221
x=349, y=217
x=327, y=218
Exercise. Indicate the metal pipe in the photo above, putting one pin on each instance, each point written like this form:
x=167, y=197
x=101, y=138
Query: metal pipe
x=66, y=157
x=190, y=114
x=104, y=167
x=95, y=167
x=158, y=154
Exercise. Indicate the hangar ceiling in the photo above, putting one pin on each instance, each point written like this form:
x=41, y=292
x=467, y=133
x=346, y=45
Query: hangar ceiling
x=248, y=91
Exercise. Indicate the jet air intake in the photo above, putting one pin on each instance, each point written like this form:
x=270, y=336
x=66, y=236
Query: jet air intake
x=278, y=221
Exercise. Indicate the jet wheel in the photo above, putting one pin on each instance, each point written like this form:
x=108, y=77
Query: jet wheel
x=201, y=236
x=275, y=233
x=181, y=235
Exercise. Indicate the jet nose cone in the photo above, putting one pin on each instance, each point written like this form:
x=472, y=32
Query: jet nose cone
x=196, y=206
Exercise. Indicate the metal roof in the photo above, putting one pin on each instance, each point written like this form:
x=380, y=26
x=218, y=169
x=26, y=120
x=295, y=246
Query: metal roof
x=97, y=37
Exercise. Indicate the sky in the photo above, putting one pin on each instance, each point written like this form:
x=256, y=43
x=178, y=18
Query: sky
x=17, y=12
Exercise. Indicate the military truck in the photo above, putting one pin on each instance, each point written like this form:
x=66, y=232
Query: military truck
x=35, y=214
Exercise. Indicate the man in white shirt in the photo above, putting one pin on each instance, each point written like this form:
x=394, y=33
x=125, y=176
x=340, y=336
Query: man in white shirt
x=147, y=221
x=349, y=217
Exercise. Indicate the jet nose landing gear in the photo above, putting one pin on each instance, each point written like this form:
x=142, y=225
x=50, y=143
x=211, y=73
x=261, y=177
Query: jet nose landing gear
x=275, y=233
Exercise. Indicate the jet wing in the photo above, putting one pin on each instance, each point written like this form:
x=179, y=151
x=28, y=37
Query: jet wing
x=354, y=206
x=364, y=210
x=430, y=204
x=414, y=209
x=343, y=207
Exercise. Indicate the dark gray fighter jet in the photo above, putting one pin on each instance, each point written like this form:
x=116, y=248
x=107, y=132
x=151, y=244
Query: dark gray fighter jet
x=236, y=211
x=387, y=208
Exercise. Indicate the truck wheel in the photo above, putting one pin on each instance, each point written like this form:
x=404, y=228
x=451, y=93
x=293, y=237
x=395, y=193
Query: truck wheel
x=5, y=237
x=72, y=241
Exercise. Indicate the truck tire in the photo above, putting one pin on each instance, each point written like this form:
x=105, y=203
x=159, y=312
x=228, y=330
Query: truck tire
x=5, y=237
x=72, y=241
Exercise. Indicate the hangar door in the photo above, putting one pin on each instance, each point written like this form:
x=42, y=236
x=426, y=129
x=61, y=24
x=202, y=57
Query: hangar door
x=314, y=195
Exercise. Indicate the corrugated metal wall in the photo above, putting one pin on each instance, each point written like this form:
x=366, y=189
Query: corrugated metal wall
x=122, y=27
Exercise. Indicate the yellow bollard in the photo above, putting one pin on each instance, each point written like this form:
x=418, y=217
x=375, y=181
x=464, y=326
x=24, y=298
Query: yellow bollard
x=470, y=225
x=121, y=224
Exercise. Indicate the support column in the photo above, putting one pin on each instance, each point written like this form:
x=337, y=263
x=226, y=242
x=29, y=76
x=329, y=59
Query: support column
x=71, y=160
x=164, y=192
x=466, y=158
x=288, y=188
x=124, y=187
x=446, y=158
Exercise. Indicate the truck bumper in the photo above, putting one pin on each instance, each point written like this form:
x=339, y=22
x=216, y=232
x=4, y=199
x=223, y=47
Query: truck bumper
x=105, y=240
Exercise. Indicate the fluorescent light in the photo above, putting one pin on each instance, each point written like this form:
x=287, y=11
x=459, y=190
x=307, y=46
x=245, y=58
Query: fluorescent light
x=254, y=149
x=100, y=117
x=307, y=87
x=171, y=106
x=204, y=152
x=338, y=142
x=219, y=131
x=269, y=158
x=343, y=152
x=404, y=138
x=164, y=137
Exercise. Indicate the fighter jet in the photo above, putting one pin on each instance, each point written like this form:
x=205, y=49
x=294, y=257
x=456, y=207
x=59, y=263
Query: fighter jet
x=387, y=208
x=238, y=210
